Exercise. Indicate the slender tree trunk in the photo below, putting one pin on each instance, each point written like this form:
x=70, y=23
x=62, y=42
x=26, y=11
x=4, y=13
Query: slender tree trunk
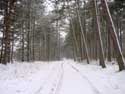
x=45, y=46
x=22, y=31
x=102, y=61
x=120, y=34
x=33, y=46
x=58, y=39
x=74, y=49
x=48, y=47
x=3, y=47
x=12, y=48
x=82, y=31
x=28, y=44
x=40, y=46
x=109, y=47
x=28, y=29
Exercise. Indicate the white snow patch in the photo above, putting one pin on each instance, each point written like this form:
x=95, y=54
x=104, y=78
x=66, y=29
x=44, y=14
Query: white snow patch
x=61, y=77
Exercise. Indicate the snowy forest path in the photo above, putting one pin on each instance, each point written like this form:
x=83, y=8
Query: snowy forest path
x=53, y=82
x=60, y=77
x=100, y=83
x=75, y=83
x=85, y=78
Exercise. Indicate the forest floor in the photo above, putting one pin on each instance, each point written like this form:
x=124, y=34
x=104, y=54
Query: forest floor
x=61, y=77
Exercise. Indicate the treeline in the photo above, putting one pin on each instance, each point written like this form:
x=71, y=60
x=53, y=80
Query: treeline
x=96, y=30
x=28, y=33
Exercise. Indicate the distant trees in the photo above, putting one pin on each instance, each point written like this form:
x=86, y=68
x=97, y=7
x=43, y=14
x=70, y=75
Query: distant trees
x=28, y=34
x=38, y=35
x=96, y=17
x=94, y=30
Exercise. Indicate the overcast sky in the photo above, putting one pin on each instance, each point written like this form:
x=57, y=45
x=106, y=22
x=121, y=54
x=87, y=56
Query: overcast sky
x=49, y=6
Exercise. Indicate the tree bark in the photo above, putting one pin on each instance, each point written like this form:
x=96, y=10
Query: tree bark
x=102, y=61
x=82, y=31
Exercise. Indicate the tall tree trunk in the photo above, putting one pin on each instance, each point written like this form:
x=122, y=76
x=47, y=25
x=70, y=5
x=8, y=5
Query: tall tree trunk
x=102, y=61
x=12, y=48
x=33, y=42
x=28, y=29
x=120, y=34
x=82, y=32
x=48, y=47
x=109, y=46
x=22, y=56
x=3, y=47
x=45, y=45
x=7, y=30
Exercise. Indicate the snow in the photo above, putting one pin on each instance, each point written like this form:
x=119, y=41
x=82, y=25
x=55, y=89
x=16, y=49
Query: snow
x=105, y=81
x=73, y=83
x=23, y=78
x=61, y=77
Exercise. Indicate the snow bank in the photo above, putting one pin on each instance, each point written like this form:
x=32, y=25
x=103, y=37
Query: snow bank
x=106, y=81
x=23, y=78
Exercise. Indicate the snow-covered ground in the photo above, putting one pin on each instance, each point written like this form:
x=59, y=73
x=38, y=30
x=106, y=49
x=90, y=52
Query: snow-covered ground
x=61, y=77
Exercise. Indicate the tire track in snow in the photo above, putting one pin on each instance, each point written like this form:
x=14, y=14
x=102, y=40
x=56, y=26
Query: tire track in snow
x=54, y=80
x=96, y=91
x=45, y=81
x=59, y=83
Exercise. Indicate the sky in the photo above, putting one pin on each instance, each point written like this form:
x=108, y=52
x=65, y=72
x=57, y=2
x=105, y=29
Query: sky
x=49, y=6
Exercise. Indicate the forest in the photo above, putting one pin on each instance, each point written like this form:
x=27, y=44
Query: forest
x=62, y=33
